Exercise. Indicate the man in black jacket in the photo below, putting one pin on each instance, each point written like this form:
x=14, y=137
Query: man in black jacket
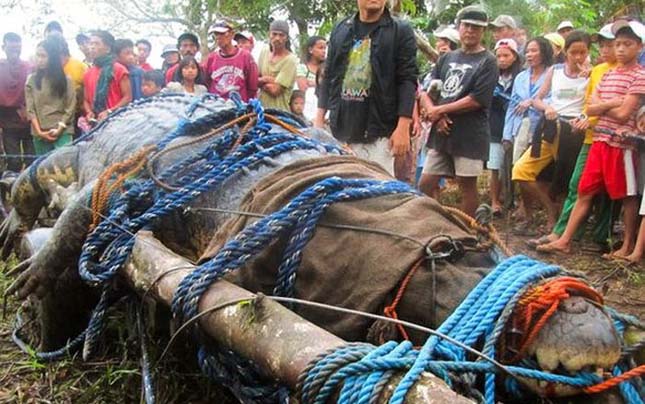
x=370, y=83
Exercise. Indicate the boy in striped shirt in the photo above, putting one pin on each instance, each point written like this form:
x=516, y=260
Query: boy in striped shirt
x=611, y=165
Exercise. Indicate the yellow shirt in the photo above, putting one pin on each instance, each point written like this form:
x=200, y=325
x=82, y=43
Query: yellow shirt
x=75, y=70
x=594, y=79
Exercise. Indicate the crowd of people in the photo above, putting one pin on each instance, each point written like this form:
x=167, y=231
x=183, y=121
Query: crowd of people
x=557, y=117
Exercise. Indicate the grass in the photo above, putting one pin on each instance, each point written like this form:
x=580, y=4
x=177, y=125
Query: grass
x=112, y=376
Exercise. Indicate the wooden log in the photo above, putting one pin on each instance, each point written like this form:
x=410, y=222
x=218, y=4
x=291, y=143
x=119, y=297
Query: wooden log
x=275, y=338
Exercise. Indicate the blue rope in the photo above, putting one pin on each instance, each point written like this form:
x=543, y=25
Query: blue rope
x=481, y=316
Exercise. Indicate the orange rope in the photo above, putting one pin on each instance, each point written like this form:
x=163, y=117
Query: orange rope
x=390, y=311
x=123, y=169
x=489, y=230
x=614, y=381
x=537, y=306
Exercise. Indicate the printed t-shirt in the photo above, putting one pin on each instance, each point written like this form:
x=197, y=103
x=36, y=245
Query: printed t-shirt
x=466, y=74
x=353, y=108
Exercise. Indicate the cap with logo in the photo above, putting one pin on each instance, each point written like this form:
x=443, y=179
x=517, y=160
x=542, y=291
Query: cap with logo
x=634, y=26
x=474, y=15
x=503, y=20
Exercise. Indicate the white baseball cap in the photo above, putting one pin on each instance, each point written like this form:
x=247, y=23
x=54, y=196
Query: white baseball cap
x=636, y=27
x=564, y=24
x=605, y=33
x=448, y=33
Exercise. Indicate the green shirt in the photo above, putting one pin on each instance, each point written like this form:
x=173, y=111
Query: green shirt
x=284, y=72
x=47, y=107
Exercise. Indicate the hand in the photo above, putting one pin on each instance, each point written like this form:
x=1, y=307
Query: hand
x=580, y=125
x=400, y=139
x=90, y=115
x=550, y=114
x=103, y=115
x=416, y=127
x=319, y=122
x=55, y=133
x=46, y=135
x=266, y=80
x=433, y=113
x=22, y=114
x=507, y=145
x=443, y=125
x=585, y=69
x=523, y=106
x=622, y=132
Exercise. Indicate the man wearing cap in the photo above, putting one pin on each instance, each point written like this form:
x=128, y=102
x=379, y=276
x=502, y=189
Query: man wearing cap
x=188, y=45
x=230, y=68
x=277, y=68
x=170, y=56
x=370, y=84
x=460, y=136
x=504, y=27
x=245, y=40
x=610, y=165
x=564, y=29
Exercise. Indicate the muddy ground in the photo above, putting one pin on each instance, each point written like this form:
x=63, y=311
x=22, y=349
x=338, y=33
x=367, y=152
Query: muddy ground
x=113, y=376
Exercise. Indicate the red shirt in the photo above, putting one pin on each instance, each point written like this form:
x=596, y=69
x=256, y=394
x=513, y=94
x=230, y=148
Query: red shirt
x=115, y=95
x=237, y=72
x=12, y=92
x=146, y=67
x=171, y=72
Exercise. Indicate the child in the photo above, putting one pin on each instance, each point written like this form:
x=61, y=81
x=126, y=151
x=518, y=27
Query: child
x=610, y=165
x=297, y=105
x=124, y=51
x=639, y=248
x=153, y=83
x=188, y=78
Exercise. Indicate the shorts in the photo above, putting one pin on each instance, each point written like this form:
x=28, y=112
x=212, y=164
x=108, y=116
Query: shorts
x=609, y=168
x=495, y=156
x=528, y=168
x=445, y=165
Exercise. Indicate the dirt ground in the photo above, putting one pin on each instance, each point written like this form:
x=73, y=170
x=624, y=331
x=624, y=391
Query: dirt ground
x=114, y=374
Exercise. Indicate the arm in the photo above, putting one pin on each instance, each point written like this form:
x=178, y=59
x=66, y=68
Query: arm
x=301, y=77
x=597, y=107
x=126, y=90
x=70, y=104
x=284, y=80
x=406, y=80
x=538, y=102
x=630, y=104
x=252, y=78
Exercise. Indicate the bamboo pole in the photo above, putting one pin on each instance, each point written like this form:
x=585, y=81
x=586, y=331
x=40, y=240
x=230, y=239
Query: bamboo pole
x=275, y=338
